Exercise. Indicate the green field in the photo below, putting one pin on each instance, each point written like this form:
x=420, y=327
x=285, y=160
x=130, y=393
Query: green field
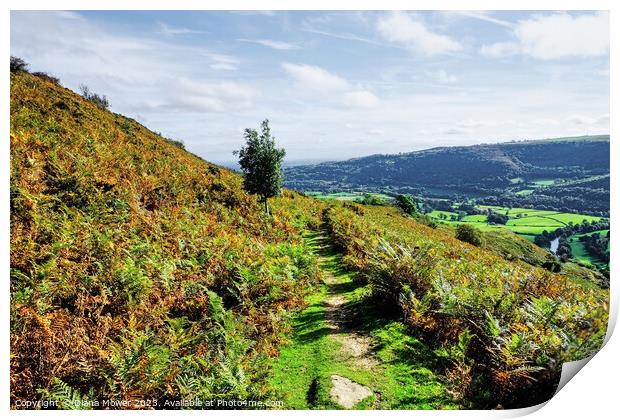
x=536, y=221
x=437, y=214
x=525, y=192
x=580, y=253
x=525, y=222
x=544, y=182
x=476, y=218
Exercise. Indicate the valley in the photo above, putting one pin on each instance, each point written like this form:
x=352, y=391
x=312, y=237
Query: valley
x=141, y=272
x=568, y=175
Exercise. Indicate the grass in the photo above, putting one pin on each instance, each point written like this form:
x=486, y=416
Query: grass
x=522, y=221
x=536, y=221
x=579, y=251
x=475, y=218
x=526, y=191
x=574, y=218
x=408, y=374
x=437, y=214
x=544, y=182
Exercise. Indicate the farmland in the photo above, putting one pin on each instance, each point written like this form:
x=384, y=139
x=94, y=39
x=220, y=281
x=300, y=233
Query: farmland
x=579, y=251
x=525, y=222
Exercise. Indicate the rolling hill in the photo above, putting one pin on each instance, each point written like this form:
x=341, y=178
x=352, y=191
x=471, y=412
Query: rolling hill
x=489, y=170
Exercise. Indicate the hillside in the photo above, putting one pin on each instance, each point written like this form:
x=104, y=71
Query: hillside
x=137, y=269
x=140, y=272
x=490, y=170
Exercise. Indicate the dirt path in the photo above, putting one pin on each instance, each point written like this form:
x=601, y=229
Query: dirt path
x=345, y=352
x=356, y=345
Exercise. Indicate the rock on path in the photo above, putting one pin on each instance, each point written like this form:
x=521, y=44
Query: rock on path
x=347, y=393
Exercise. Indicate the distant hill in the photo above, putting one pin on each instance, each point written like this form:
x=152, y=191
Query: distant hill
x=487, y=170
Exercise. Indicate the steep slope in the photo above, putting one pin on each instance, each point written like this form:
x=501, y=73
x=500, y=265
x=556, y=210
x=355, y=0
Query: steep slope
x=138, y=270
x=505, y=326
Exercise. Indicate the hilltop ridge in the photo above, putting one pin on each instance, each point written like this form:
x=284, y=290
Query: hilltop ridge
x=475, y=172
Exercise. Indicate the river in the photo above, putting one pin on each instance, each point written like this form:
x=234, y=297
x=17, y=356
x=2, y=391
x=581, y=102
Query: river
x=554, y=245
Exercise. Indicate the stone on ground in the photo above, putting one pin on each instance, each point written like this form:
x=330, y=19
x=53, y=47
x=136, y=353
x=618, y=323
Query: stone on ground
x=347, y=393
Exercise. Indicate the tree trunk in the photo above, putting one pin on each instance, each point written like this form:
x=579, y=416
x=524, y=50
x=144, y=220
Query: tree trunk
x=266, y=205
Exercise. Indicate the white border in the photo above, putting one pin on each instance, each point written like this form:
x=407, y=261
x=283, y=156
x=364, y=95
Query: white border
x=592, y=394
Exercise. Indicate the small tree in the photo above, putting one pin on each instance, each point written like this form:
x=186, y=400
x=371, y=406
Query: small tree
x=17, y=64
x=407, y=204
x=261, y=163
x=552, y=264
x=469, y=234
x=100, y=100
x=45, y=76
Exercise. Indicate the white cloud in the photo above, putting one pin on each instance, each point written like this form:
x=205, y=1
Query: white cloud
x=485, y=16
x=454, y=131
x=443, y=77
x=223, y=62
x=319, y=81
x=402, y=28
x=556, y=36
x=223, y=66
x=577, y=119
x=195, y=96
x=471, y=123
x=345, y=36
x=276, y=45
x=500, y=49
x=314, y=77
x=546, y=121
x=375, y=132
x=171, y=31
x=580, y=120
x=603, y=119
x=360, y=99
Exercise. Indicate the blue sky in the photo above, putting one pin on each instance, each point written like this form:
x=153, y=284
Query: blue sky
x=334, y=85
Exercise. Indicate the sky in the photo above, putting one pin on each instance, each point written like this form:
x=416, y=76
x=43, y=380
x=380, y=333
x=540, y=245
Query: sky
x=334, y=85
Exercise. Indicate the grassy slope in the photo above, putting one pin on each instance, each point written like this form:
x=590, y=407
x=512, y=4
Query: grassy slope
x=138, y=269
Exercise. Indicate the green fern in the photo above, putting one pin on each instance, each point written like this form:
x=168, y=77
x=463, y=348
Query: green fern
x=66, y=397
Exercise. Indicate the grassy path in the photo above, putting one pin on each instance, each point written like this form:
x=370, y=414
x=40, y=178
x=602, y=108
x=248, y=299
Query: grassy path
x=343, y=353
